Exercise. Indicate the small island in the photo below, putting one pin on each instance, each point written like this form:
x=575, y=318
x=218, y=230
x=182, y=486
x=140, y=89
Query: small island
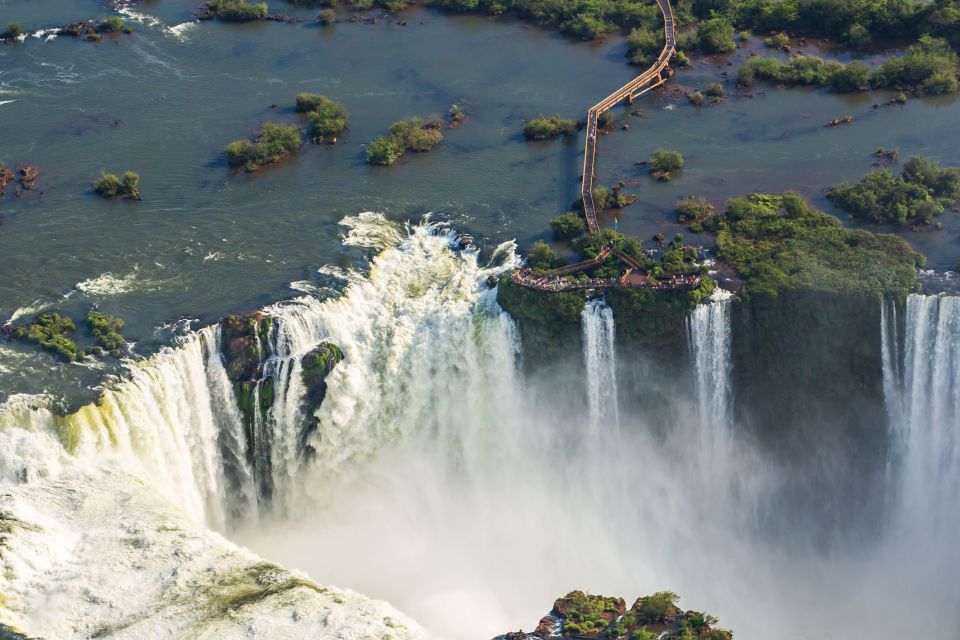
x=55, y=333
x=125, y=187
x=234, y=11
x=328, y=119
x=918, y=195
x=410, y=134
x=272, y=144
x=544, y=128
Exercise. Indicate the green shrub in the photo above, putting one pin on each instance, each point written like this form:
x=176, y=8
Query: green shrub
x=106, y=330
x=382, y=151
x=111, y=24
x=543, y=128
x=237, y=10
x=715, y=90
x=929, y=60
x=541, y=256
x=696, y=98
x=915, y=197
x=681, y=58
x=666, y=160
x=568, y=226
x=811, y=249
x=644, y=46
x=410, y=134
x=110, y=186
x=272, y=144
x=716, y=36
x=858, y=35
x=327, y=16
x=777, y=41
x=854, y=76
x=693, y=210
x=326, y=117
x=52, y=332
x=14, y=30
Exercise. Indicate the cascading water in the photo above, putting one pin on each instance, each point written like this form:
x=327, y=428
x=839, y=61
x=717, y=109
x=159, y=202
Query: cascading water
x=925, y=409
x=599, y=355
x=709, y=339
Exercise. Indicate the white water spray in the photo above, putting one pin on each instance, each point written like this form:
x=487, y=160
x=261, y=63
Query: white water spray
x=924, y=404
x=599, y=355
x=709, y=337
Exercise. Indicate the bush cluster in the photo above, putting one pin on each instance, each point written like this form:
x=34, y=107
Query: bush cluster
x=665, y=161
x=544, y=128
x=106, y=330
x=109, y=185
x=568, y=226
x=929, y=64
x=780, y=242
x=644, y=45
x=917, y=196
x=411, y=134
x=327, y=118
x=272, y=144
x=237, y=10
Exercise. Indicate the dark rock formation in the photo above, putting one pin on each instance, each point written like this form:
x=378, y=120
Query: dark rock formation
x=656, y=617
x=315, y=367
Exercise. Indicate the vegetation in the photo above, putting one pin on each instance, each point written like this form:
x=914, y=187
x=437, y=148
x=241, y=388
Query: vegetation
x=665, y=161
x=327, y=118
x=568, y=226
x=716, y=36
x=411, y=134
x=14, y=30
x=644, y=45
x=615, y=198
x=272, y=144
x=111, y=24
x=456, y=113
x=715, y=90
x=589, y=245
x=237, y=10
x=543, y=128
x=696, y=98
x=778, y=41
x=110, y=186
x=694, y=211
x=52, y=332
x=781, y=243
x=917, y=196
x=930, y=64
x=327, y=16
x=854, y=21
x=541, y=257
x=106, y=330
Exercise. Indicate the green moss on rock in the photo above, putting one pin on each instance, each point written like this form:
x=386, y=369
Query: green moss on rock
x=549, y=321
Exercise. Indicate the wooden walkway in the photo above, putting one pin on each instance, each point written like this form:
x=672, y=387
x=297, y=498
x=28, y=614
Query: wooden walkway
x=652, y=77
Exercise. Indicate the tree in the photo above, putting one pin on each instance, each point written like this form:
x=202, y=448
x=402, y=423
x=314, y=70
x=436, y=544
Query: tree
x=568, y=226
x=716, y=36
x=382, y=152
x=854, y=76
x=109, y=185
x=326, y=16
x=541, y=256
x=693, y=210
x=14, y=30
x=666, y=160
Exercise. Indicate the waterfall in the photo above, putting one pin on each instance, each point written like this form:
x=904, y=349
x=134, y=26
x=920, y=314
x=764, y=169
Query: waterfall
x=709, y=338
x=599, y=354
x=167, y=424
x=925, y=411
x=176, y=423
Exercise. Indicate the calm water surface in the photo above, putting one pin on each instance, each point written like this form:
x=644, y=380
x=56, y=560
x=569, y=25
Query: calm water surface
x=204, y=242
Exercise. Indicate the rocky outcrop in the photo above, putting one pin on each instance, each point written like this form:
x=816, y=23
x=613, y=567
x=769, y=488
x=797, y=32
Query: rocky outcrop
x=315, y=367
x=655, y=617
x=245, y=341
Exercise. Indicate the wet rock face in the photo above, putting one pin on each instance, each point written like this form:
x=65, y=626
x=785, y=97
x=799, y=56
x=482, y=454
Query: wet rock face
x=245, y=344
x=654, y=617
x=317, y=365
